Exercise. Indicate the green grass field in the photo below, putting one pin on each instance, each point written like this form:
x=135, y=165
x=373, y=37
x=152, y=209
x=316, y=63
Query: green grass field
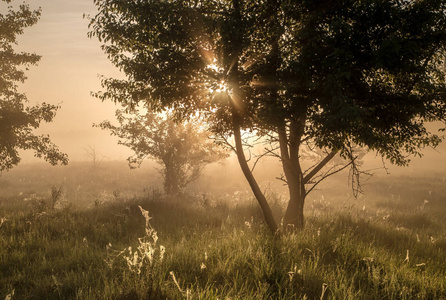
x=390, y=243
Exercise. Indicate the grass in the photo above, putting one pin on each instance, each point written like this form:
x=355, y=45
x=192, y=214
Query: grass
x=388, y=244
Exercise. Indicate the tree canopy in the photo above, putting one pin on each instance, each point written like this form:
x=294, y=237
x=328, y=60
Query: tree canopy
x=16, y=120
x=330, y=74
x=183, y=149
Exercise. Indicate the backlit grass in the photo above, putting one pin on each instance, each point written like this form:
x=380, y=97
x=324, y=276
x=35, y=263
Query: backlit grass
x=385, y=245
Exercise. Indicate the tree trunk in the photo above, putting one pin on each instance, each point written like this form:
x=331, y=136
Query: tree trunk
x=294, y=214
x=269, y=218
x=171, y=180
x=237, y=107
x=289, y=153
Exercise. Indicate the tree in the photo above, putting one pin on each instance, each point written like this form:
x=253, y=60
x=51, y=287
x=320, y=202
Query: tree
x=183, y=149
x=17, y=121
x=334, y=75
x=93, y=154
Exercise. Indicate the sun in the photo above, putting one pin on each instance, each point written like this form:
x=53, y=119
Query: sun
x=222, y=87
x=214, y=67
x=216, y=86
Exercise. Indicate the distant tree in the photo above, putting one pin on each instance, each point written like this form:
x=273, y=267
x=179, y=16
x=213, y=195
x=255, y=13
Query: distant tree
x=16, y=120
x=334, y=75
x=93, y=154
x=183, y=149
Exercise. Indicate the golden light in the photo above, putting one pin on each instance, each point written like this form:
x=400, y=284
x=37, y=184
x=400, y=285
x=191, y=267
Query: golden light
x=213, y=67
x=216, y=86
x=222, y=87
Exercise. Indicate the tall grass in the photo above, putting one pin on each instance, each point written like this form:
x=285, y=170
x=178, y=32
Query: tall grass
x=389, y=244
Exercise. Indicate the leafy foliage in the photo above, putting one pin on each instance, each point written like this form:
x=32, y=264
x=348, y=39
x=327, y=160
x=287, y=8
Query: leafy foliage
x=183, y=149
x=368, y=72
x=330, y=74
x=16, y=120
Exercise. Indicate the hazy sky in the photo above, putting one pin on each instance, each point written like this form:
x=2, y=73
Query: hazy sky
x=66, y=74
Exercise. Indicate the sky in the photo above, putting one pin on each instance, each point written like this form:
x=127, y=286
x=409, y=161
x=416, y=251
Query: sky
x=69, y=71
x=66, y=75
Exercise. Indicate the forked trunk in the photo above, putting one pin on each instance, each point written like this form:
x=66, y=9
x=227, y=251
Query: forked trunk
x=289, y=152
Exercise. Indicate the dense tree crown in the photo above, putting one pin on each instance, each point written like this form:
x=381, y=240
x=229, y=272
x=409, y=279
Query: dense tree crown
x=330, y=74
x=16, y=120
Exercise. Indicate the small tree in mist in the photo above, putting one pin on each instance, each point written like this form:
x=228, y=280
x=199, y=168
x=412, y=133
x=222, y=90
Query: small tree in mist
x=92, y=153
x=332, y=75
x=183, y=149
x=18, y=121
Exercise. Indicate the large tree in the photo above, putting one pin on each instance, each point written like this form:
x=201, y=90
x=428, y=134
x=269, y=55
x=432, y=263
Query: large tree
x=330, y=74
x=17, y=121
x=182, y=149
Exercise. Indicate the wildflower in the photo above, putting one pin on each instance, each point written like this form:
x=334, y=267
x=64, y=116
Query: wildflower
x=202, y=266
x=144, y=254
x=154, y=236
x=145, y=214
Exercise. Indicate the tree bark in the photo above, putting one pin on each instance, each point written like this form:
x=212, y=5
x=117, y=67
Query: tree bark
x=289, y=152
x=294, y=214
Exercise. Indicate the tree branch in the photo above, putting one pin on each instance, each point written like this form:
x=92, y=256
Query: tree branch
x=319, y=166
x=327, y=175
x=266, y=153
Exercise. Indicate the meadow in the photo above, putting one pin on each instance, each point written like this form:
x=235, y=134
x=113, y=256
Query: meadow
x=104, y=232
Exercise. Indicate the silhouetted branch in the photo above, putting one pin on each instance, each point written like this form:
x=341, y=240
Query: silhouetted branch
x=319, y=166
x=268, y=152
x=328, y=174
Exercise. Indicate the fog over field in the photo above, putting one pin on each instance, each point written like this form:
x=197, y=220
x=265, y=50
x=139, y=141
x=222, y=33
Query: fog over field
x=174, y=214
x=69, y=71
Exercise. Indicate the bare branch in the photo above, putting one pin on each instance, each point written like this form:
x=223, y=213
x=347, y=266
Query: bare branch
x=268, y=152
x=328, y=174
x=282, y=178
x=319, y=166
x=221, y=138
x=385, y=166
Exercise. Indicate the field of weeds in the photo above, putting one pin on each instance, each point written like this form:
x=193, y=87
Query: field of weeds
x=89, y=232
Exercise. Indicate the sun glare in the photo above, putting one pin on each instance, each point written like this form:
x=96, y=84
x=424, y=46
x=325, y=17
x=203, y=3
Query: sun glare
x=213, y=67
x=222, y=87
x=216, y=86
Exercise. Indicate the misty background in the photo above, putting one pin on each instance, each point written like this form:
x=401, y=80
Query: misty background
x=70, y=69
